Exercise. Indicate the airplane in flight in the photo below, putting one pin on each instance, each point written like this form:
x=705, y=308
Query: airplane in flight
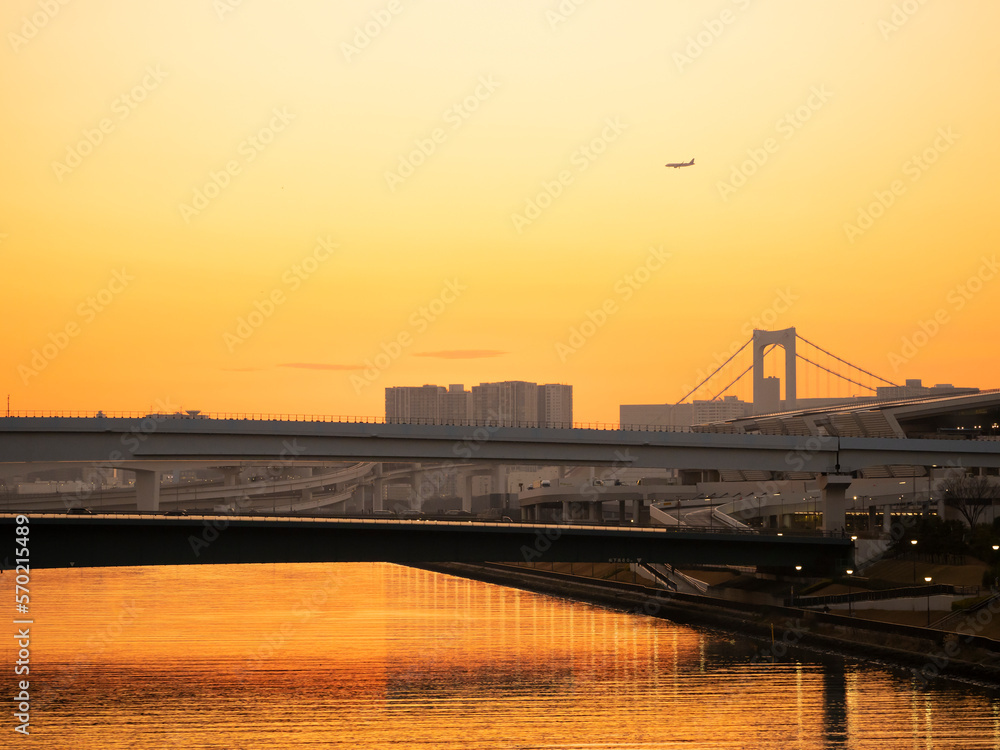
x=678, y=165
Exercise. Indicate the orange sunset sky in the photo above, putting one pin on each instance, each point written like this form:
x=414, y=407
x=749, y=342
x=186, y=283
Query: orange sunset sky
x=237, y=206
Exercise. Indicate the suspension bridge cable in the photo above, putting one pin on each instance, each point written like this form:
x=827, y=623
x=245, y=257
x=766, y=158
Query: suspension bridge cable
x=836, y=374
x=871, y=374
x=715, y=371
x=740, y=376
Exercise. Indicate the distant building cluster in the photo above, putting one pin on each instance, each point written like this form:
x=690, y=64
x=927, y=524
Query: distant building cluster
x=514, y=402
x=731, y=407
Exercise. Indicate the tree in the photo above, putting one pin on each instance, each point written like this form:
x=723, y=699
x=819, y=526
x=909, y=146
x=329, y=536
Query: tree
x=970, y=496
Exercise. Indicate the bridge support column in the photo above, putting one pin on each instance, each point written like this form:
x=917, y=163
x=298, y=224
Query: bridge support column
x=621, y=511
x=566, y=508
x=231, y=475
x=887, y=520
x=499, y=479
x=834, y=503
x=147, y=489
x=418, y=489
x=467, y=493
x=595, y=509
x=637, y=511
x=358, y=498
x=378, y=494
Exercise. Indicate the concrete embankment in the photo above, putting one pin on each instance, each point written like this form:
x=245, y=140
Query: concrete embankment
x=927, y=653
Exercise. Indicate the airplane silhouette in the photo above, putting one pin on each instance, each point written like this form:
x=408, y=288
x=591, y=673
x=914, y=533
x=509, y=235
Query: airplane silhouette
x=677, y=165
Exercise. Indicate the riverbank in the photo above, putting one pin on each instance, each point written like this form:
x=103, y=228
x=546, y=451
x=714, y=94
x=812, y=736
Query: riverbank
x=928, y=654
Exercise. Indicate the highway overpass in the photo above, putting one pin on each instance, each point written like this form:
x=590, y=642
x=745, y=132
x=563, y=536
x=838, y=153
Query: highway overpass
x=63, y=541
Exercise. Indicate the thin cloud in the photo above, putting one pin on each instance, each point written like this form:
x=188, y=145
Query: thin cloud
x=462, y=354
x=242, y=369
x=320, y=366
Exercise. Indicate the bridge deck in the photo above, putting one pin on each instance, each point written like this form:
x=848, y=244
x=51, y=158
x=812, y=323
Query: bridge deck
x=61, y=541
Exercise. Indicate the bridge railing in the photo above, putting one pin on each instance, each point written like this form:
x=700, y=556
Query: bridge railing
x=339, y=419
x=264, y=515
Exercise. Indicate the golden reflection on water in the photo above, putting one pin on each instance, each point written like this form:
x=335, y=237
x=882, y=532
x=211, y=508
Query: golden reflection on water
x=384, y=656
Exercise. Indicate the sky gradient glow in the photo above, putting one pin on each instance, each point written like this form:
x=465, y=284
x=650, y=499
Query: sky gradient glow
x=464, y=184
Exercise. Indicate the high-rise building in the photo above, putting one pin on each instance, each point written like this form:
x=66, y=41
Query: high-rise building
x=414, y=404
x=555, y=405
x=514, y=402
x=456, y=404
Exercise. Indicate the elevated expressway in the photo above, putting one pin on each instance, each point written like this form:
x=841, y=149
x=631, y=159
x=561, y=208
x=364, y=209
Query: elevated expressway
x=155, y=443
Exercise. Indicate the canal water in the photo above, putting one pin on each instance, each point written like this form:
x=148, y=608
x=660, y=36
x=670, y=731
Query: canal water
x=377, y=656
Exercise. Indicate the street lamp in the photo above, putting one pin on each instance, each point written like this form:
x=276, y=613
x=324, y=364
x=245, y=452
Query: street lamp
x=914, y=543
x=850, y=606
x=928, y=580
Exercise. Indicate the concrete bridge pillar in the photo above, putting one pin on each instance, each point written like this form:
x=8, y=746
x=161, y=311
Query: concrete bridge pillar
x=231, y=475
x=887, y=520
x=621, y=511
x=417, y=490
x=499, y=479
x=467, y=493
x=595, y=511
x=833, y=488
x=566, y=508
x=378, y=494
x=147, y=489
x=358, y=498
x=637, y=511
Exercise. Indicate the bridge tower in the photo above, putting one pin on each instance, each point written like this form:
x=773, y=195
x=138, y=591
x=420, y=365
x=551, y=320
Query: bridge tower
x=767, y=391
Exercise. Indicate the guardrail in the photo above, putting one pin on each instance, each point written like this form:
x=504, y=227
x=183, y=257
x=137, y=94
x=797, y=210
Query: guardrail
x=263, y=515
x=906, y=592
x=342, y=419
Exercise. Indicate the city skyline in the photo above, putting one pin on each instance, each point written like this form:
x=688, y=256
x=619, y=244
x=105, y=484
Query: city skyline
x=508, y=402
x=246, y=208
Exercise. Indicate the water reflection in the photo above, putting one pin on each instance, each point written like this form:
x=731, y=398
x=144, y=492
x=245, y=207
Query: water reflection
x=380, y=656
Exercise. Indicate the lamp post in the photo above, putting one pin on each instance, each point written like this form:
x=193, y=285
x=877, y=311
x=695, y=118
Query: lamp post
x=995, y=582
x=914, y=543
x=850, y=605
x=928, y=580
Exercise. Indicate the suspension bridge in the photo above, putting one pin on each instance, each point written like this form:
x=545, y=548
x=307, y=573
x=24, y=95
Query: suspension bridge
x=843, y=378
